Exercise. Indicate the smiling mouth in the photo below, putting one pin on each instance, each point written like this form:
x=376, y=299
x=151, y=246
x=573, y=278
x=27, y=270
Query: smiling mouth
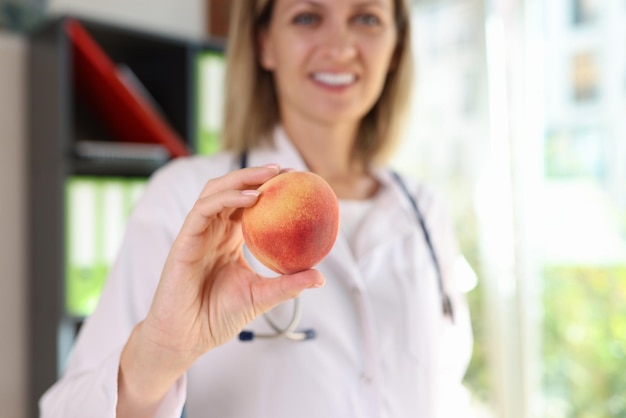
x=335, y=79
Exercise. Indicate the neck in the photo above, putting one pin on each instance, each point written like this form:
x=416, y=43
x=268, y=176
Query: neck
x=327, y=151
x=325, y=148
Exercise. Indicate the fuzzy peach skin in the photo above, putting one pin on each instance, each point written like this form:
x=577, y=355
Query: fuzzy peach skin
x=294, y=223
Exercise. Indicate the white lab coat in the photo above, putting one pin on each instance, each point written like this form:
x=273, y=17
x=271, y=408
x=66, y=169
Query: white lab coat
x=383, y=347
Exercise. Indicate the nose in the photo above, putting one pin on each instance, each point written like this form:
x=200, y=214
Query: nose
x=339, y=43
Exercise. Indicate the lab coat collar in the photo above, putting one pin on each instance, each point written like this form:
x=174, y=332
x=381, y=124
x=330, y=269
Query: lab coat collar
x=282, y=151
x=390, y=219
x=390, y=206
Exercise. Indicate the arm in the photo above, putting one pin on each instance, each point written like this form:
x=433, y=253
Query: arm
x=88, y=386
x=205, y=295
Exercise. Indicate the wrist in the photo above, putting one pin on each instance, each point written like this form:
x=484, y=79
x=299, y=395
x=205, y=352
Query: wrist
x=147, y=372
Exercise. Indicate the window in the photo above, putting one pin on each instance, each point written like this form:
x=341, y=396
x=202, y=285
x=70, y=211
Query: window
x=519, y=116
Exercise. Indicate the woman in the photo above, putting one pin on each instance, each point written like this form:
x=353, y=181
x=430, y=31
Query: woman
x=313, y=85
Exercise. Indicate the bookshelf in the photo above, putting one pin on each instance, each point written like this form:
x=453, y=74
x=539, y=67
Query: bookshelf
x=72, y=141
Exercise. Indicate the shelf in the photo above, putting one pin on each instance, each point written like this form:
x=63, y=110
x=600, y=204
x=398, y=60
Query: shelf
x=60, y=118
x=123, y=93
x=107, y=167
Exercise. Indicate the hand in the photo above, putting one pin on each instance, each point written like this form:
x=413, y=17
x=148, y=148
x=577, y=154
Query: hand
x=207, y=292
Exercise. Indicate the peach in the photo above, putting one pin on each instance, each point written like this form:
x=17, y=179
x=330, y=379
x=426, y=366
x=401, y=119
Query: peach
x=294, y=223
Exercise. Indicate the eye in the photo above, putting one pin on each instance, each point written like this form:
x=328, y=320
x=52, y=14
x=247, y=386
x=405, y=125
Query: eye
x=367, y=19
x=306, y=19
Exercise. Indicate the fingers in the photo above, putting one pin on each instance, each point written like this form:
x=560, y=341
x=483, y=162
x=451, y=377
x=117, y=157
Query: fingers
x=234, y=190
x=271, y=292
x=246, y=178
x=207, y=207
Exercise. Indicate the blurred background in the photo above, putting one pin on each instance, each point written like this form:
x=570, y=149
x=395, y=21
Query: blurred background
x=518, y=117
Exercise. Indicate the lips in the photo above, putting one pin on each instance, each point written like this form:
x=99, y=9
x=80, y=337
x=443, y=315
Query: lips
x=335, y=79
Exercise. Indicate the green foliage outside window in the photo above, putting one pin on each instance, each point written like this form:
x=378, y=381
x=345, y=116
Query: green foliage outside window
x=584, y=341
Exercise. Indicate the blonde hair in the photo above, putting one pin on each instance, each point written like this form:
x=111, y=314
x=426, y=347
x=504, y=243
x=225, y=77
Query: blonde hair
x=251, y=106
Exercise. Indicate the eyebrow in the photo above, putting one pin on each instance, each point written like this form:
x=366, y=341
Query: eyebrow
x=320, y=5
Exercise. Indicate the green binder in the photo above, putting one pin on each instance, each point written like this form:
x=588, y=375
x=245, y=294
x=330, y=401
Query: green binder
x=97, y=210
x=210, y=77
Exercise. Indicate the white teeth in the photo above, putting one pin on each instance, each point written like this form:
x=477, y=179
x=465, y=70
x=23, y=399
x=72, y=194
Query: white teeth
x=335, y=79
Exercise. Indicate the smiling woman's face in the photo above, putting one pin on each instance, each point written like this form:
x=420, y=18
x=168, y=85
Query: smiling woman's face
x=329, y=58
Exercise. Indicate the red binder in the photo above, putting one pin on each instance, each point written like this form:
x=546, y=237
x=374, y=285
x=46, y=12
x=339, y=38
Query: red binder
x=130, y=117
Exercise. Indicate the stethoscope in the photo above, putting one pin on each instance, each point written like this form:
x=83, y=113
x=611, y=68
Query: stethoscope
x=290, y=331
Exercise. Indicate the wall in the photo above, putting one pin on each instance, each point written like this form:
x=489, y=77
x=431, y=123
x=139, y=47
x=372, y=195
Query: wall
x=12, y=227
x=181, y=17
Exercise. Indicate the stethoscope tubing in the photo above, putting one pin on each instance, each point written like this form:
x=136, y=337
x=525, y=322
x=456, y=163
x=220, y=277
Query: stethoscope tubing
x=445, y=299
x=290, y=330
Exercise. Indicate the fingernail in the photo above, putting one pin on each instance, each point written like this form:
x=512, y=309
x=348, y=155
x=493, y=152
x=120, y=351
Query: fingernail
x=287, y=170
x=317, y=285
x=272, y=165
x=254, y=193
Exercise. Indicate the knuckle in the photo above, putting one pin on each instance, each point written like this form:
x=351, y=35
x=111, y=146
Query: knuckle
x=210, y=187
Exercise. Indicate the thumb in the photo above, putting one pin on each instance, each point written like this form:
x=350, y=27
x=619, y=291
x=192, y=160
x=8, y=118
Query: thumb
x=272, y=292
